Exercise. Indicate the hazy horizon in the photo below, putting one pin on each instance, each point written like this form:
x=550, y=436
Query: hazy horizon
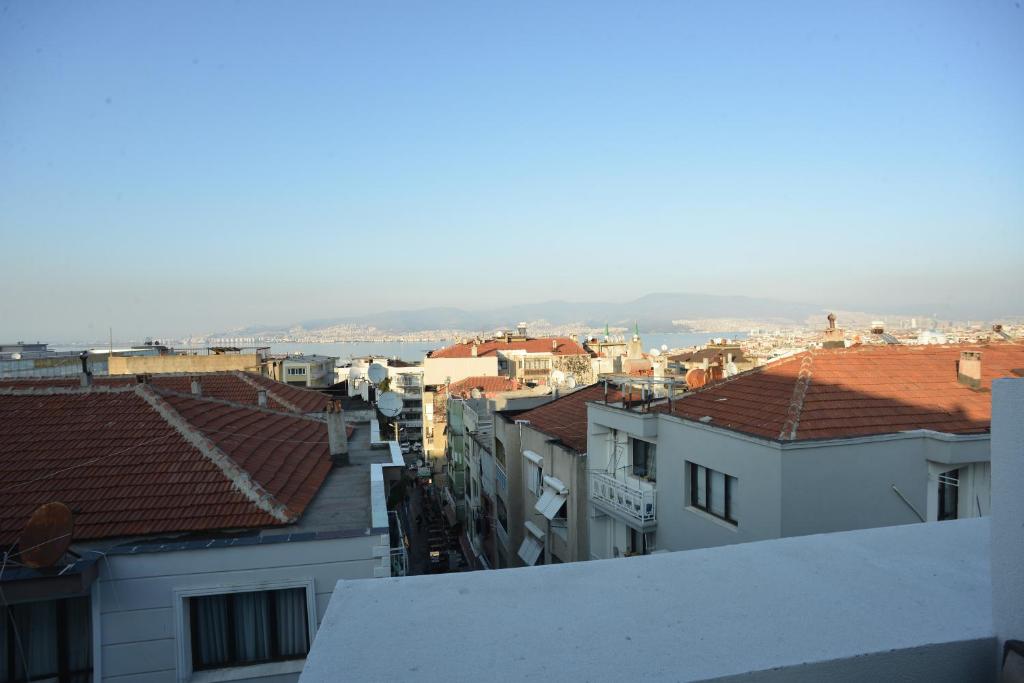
x=172, y=168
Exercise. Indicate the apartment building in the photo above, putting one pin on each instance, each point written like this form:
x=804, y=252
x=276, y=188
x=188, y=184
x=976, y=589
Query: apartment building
x=312, y=370
x=831, y=439
x=181, y=528
x=543, y=514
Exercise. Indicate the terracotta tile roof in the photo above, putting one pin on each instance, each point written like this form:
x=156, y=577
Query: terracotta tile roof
x=857, y=391
x=565, y=346
x=565, y=418
x=135, y=461
x=240, y=387
x=489, y=386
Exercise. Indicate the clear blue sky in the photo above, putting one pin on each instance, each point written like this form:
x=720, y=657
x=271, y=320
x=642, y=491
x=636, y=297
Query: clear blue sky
x=192, y=166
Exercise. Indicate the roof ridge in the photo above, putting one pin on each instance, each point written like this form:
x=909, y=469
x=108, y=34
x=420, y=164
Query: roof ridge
x=796, y=401
x=260, y=387
x=58, y=390
x=163, y=391
x=237, y=475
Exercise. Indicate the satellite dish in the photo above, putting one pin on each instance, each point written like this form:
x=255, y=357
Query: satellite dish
x=557, y=376
x=377, y=373
x=664, y=347
x=15, y=356
x=655, y=352
x=389, y=404
x=355, y=373
x=47, y=535
x=696, y=378
x=570, y=382
x=475, y=393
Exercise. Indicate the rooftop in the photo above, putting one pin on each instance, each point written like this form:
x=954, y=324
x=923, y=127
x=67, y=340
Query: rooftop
x=563, y=346
x=694, y=615
x=487, y=385
x=140, y=459
x=237, y=386
x=565, y=418
x=856, y=391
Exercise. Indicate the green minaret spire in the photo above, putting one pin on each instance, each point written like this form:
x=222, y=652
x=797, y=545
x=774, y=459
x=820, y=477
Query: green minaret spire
x=607, y=332
x=636, y=329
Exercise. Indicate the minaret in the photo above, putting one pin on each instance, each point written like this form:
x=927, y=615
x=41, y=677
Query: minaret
x=635, y=348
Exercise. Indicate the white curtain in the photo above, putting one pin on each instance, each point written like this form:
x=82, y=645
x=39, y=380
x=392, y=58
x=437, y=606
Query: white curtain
x=252, y=626
x=717, y=493
x=292, y=627
x=212, y=624
x=702, y=499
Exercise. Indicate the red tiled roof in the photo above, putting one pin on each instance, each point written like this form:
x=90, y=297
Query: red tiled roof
x=565, y=346
x=857, y=391
x=237, y=386
x=487, y=385
x=134, y=461
x=565, y=418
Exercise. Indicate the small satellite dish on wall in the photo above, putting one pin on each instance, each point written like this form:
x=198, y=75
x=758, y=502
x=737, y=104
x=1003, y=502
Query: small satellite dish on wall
x=46, y=536
x=355, y=373
x=475, y=393
x=557, y=376
x=696, y=378
x=389, y=404
x=377, y=373
x=664, y=347
x=570, y=382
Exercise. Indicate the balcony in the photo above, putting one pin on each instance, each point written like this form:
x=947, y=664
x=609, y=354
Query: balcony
x=632, y=500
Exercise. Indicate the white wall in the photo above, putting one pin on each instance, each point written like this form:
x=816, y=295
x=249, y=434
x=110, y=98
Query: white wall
x=134, y=596
x=440, y=370
x=1008, y=508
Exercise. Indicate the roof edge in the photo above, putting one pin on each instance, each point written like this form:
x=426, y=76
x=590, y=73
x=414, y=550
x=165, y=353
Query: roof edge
x=259, y=387
x=239, y=477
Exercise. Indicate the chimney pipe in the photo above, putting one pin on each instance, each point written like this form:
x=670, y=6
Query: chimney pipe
x=554, y=344
x=197, y=386
x=336, y=435
x=473, y=350
x=86, y=379
x=968, y=369
x=261, y=398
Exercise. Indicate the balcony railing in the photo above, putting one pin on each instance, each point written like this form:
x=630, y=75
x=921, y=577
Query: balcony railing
x=630, y=499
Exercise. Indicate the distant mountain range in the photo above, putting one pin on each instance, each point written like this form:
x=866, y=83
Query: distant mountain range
x=653, y=313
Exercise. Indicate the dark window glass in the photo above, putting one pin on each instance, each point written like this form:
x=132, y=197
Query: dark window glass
x=949, y=494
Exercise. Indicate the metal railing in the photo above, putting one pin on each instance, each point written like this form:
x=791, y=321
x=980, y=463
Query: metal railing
x=399, y=554
x=629, y=499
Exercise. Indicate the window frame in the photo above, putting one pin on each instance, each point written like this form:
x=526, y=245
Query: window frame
x=183, y=629
x=650, y=453
x=727, y=505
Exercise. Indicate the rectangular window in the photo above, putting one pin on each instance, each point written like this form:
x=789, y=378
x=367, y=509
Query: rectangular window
x=535, y=478
x=46, y=641
x=502, y=514
x=644, y=462
x=949, y=494
x=239, y=629
x=713, y=492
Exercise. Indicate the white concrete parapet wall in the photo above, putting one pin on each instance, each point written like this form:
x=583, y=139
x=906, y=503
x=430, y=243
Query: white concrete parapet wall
x=1008, y=509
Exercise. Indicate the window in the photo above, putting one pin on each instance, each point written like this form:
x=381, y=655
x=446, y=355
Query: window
x=640, y=543
x=534, y=473
x=502, y=514
x=644, y=463
x=50, y=640
x=296, y=371
x=499, y=451
x=238, y=629
x=949, y=494
x=713, y=492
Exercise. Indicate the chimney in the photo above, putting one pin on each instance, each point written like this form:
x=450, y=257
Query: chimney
x=554, y=344
x=473, y=350
x=521, y=329
x=86, y=375
x=261, y=398
x=142, y=379
x=968, y=369
x=833, y=335
x=197, y=386
x=336, y=435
